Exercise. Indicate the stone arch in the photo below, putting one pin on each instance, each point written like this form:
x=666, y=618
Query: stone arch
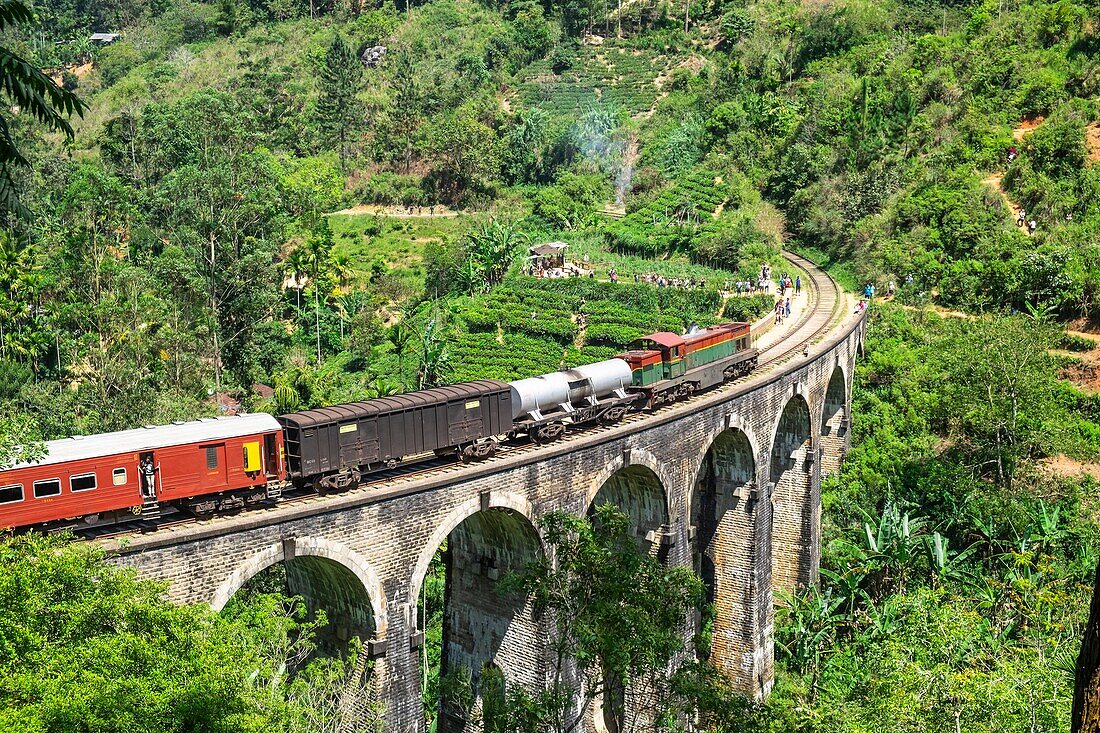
x=640, y=492
x=638, y=457
x=490, y=500
x=300, y=548
x=331, y=576
x=835, y=421
x=723, y=515
x=795, y=507
x=486, y=538
x=835, y=408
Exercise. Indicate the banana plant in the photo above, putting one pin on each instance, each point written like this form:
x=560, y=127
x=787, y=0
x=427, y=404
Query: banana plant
x=894, y=544
x=812, y=619
x=947, y=565
x=1047, y=531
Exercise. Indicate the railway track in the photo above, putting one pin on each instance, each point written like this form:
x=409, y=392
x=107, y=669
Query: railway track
x=823, y=311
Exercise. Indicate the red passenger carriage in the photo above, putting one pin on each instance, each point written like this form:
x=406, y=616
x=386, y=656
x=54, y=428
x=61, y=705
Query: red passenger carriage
x=202, y=466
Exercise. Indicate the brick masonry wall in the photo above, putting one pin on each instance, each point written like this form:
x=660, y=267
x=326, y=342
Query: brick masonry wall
x=386, y=539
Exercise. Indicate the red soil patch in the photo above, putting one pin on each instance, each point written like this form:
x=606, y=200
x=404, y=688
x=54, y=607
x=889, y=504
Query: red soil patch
x=1026, y=125
x=1066, y=467
x=1092, y=137
x=1085, y=369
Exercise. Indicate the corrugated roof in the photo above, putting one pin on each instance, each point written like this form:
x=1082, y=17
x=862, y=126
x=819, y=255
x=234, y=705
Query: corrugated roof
x=394, y=403
x=664, y=338
x=154, y=437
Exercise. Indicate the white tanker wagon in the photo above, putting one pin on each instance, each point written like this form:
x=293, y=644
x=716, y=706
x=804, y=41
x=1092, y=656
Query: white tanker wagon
x=543, y=406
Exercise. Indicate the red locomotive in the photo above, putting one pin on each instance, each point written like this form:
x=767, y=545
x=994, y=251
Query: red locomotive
x=207, y=465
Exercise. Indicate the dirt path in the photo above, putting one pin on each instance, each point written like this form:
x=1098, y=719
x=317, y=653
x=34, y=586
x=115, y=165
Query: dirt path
x=398, y=212
x=995, y=181
x=1026, y=125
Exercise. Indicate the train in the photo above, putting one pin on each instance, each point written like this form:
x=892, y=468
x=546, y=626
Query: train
x=224, y=464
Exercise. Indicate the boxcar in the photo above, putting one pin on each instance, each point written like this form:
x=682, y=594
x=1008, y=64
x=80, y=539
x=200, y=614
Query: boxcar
x=99, y=474
x=361, y=436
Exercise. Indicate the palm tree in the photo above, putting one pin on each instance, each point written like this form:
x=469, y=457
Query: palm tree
x=296, y=268
x=32, y=92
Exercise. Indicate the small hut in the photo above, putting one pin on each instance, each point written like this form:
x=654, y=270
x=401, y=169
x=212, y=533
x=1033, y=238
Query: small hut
x=548, y=256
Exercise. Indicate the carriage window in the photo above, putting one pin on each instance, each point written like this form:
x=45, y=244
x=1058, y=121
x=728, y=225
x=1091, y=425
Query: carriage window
x=118, y=477
x=211, y=457
x=44, y=489
x=11, y=494
x=83, y=482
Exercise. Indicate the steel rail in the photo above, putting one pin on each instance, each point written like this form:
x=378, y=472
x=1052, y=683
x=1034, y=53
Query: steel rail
x=816, y=322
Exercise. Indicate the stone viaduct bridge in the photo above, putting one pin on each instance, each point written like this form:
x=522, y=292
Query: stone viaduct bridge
x=728, y=483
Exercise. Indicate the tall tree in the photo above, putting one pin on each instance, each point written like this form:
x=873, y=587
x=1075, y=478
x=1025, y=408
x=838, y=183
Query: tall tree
x=338, y=108
x=407, y=103
x=601, y=584
x=32, y=92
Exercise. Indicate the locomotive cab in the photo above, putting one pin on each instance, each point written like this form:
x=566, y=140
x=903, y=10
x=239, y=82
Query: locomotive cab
x=669, y=346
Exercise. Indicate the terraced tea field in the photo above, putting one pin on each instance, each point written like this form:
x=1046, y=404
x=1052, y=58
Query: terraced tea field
x=615, y=75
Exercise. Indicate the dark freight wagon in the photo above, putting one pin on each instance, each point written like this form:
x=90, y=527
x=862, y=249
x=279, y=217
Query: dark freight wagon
x=338, y=443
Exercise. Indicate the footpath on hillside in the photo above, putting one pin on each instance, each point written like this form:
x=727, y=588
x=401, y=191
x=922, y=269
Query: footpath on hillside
x=1027, y=126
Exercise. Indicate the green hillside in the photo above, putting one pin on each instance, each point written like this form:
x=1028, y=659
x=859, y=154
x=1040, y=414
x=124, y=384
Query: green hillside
x=245, y=204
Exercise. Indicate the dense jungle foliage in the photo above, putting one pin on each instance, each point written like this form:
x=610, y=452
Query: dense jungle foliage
x=85, y=646
x=271, y=204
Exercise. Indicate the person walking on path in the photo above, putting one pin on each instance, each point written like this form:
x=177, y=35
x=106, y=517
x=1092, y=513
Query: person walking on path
x=798, y=285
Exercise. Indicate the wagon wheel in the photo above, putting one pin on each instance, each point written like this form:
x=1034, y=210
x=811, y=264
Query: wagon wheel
x=205, y=509
x=484, y=450
x=548, y=433
x=613, y=415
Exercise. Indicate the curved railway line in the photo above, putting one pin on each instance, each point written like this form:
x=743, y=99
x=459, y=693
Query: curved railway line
x=824, y=311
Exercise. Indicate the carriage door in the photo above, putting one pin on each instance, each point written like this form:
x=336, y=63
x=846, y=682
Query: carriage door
x=149, y=480
x=214, y=459
x=349, y=445
x=675, y=362
x=271, y=456
x=465, y=420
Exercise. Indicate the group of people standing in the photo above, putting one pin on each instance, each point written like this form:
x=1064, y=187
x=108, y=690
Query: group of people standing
x=661, y=281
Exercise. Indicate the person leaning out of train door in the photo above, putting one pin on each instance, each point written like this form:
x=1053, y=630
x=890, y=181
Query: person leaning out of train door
x=148, y=478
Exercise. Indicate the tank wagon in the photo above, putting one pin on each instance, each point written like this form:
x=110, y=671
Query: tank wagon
x=220, y=464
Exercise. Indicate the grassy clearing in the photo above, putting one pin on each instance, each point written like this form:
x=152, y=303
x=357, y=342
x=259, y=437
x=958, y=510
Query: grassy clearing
x=842, y=272
x=396, y=245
